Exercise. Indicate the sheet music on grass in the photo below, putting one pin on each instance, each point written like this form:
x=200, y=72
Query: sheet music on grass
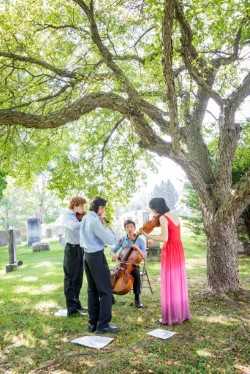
x=161, y=333
x=92, y=341
x=61, y=313
x=64, y=313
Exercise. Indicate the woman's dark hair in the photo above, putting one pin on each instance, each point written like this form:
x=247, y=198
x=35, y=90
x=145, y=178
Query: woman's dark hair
x=96, y=203
x=129, y=222
x=159, y=205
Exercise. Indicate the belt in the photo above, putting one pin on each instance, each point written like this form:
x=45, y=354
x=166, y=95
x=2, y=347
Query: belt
x=73, y=245
x=92, y=253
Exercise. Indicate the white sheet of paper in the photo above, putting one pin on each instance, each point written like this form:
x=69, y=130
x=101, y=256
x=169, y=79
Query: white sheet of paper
x=61, y=313
x=97, y=342
x=162, y=334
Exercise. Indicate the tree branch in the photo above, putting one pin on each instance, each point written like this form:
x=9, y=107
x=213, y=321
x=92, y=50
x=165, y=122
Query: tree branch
x=201, y=73
x=149, y=109
x=46, y=26
x=239, y=95
x=109, y=136
x=155, y=114
x=143, y=34
x=167, y=30
x=78, y=108
x=238, y=200
x=148, y=138
x=44, y=64
x=220, y=61
x=104, y=51
x=70, y=113
x=43, y=98
x=198, y=149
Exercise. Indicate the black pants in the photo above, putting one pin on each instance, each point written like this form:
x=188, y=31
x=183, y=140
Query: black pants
x=99, y=289
x=137, y=281
x=73, y=275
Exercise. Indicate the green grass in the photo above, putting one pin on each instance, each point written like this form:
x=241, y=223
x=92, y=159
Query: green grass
x=216, y=340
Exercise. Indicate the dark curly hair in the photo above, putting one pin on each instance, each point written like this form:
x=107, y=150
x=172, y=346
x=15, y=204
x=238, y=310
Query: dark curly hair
x=76, y=201
x=129, y=222
x=96, y=203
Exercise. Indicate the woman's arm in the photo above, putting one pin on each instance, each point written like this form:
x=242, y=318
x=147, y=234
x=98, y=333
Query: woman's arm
x=163, y=237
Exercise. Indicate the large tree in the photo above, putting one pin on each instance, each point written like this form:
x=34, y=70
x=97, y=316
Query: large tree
x=3, y=183
x=152, y=66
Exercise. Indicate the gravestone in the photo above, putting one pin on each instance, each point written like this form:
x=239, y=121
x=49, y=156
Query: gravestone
x=38, y=247
x=33, y=230
x=48, y=233
x=13, y=263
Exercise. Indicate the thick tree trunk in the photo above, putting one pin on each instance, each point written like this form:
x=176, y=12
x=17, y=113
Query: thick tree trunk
x=222, y=257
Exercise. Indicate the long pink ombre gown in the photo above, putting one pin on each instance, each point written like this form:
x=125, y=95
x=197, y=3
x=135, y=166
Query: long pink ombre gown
x=174, y=292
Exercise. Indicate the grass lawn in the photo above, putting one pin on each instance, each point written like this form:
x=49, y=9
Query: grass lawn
x=216, y=340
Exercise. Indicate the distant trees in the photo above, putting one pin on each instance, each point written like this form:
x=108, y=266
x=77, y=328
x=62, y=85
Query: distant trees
x=168, y=192
x=19, y=203
x=3, y=183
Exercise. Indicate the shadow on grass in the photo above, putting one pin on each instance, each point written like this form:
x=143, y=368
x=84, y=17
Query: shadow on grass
x=215, y=340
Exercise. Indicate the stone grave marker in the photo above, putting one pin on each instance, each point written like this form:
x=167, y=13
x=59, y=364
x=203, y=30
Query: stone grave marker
x=33, y=230
x=13, y=263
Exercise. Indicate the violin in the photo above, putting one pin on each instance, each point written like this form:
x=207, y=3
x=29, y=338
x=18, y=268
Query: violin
x=149, y=226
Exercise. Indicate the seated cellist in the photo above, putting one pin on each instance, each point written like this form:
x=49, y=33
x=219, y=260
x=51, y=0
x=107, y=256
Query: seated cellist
x=131, y=239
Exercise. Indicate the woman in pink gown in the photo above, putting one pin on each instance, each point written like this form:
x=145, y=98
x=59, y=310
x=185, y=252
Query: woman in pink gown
x=174, y=292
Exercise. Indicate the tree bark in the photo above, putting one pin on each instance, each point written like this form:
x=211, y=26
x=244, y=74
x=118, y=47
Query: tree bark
x=222, y=254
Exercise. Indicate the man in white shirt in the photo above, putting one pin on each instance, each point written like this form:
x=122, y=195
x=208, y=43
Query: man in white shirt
x=73, y=255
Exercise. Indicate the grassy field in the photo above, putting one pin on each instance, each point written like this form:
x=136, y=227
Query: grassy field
x=216, y=340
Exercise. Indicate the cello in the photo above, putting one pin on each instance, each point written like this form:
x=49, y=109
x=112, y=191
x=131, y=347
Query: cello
x=121, y=278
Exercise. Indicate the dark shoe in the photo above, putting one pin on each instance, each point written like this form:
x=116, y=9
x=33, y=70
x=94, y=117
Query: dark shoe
x=79, y=307
x=82, y=311
x=112, y=329
x=91, y=327
x=73, y=313
x=113, y=300
x=138, y=303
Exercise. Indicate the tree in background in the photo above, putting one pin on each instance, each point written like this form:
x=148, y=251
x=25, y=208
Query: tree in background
x=19, y=203
x=3, y=183
x=194, y=215
x=149, y=68
x=240, y=167
x=168, y=192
